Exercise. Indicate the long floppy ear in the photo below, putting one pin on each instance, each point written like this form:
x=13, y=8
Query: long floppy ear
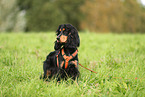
x=73, y=38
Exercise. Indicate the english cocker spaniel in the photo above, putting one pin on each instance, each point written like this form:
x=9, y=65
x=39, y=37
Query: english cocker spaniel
x=63, y=62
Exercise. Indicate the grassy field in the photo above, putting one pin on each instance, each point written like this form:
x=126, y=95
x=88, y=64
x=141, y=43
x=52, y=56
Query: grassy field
x=118, y=59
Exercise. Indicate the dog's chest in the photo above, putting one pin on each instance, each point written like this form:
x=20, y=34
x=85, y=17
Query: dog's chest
x=63, y=60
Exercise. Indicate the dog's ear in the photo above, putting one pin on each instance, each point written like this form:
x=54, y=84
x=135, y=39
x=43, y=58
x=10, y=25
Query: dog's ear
x=73, y=38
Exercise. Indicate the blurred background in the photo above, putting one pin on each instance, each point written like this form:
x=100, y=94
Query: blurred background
x=117, y=16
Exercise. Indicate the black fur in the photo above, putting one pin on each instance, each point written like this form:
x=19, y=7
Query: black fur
x=50, y=64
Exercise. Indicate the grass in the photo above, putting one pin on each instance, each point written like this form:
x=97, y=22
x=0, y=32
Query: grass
x=118, y=59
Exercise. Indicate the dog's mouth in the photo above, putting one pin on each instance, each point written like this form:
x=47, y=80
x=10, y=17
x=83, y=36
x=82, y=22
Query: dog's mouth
x=62, y=39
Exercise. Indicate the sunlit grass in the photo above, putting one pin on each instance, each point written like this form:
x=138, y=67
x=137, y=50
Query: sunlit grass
x=118, y=59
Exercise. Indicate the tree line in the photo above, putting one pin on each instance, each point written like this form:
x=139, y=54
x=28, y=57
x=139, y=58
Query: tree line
x=118, y=16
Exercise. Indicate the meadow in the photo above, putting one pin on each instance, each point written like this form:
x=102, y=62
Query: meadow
x=118, y=59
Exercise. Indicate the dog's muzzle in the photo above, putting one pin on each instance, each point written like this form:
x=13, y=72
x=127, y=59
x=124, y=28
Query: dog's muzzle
x=62, y=38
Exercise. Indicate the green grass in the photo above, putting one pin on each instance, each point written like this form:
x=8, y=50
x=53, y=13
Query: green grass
x=118, y=59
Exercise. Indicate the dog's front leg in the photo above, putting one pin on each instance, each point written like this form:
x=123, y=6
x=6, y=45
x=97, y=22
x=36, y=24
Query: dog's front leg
x=73, y=72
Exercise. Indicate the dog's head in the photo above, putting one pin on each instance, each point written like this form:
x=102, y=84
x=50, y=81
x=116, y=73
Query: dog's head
x=67, y=35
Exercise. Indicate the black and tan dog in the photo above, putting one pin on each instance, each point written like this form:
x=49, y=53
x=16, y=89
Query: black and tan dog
x=63, y=62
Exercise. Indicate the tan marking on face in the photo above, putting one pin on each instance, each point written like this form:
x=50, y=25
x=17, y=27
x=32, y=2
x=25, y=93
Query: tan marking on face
x=63, y=38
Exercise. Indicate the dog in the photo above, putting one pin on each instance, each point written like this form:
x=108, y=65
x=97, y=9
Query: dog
x=63, y=62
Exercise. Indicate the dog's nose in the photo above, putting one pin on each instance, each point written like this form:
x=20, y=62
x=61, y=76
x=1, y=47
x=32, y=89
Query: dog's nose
x=58, y=38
